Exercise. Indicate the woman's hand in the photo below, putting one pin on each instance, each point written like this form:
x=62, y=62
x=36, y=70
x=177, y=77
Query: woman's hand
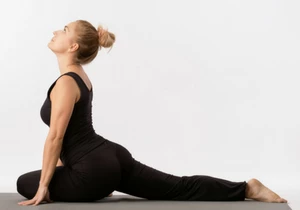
x=41, y=195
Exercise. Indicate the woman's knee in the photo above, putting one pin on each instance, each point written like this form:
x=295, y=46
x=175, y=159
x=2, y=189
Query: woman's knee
x=20, y=184
x=27, y=184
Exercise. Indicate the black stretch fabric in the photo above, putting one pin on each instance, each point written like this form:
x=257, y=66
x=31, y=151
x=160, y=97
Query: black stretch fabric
x=95, y=166
x=80, y=136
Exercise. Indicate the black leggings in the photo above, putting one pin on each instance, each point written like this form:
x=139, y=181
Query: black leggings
x=111, y=167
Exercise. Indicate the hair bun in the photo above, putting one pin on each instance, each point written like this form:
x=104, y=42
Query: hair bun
x=106, y=38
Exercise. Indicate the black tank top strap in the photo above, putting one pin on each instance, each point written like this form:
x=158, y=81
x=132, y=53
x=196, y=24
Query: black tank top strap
x=82, y=86
x=85, y=92
x=77, y=78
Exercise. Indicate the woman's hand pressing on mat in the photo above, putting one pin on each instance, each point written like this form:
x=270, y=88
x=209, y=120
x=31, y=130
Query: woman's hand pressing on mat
x=41, y=195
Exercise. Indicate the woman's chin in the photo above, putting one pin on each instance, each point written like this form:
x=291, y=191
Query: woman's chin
x=49, y=46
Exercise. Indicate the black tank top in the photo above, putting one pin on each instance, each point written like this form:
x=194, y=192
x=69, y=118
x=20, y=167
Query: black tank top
x=80, y=137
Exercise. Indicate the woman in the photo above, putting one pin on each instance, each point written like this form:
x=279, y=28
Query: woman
x=80, y=165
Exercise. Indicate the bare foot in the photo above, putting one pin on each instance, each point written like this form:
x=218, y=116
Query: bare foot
x=257, y=191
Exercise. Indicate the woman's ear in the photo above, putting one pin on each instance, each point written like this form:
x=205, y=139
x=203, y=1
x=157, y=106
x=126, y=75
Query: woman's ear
x=73, y=47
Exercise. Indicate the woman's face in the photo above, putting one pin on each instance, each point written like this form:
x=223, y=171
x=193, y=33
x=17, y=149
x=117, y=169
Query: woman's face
x=63, y=40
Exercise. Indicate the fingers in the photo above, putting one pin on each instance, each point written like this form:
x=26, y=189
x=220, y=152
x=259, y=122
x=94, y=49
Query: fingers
x=25, y=203
x=38, y=201
x=33, y=202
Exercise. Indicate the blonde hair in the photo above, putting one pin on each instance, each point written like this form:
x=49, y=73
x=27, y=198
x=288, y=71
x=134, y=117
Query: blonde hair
x=91, y=40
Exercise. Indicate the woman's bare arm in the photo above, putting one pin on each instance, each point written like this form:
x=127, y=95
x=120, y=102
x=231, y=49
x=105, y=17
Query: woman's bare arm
x=63, y=97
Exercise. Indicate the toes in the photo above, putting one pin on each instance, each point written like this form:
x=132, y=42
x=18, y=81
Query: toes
x=283, y=200
x=280, y=200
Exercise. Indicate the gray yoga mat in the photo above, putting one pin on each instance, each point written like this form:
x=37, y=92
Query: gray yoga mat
x=8, y=201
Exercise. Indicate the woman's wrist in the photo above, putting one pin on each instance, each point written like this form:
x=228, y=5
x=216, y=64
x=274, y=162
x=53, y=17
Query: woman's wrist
x=43, y=185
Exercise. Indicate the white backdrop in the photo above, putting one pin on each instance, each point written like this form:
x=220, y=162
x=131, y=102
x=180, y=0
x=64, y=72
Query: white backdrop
x=190, y=87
